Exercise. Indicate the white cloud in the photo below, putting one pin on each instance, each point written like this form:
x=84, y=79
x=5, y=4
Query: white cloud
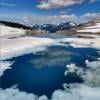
x=49, y=4
x=65, y=11
x=92, y=1
x=90, y=15
x=61, y=17
x=51, y=19
x=7, y=4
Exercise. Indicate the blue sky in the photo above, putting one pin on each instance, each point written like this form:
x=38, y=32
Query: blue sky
x=39, y=10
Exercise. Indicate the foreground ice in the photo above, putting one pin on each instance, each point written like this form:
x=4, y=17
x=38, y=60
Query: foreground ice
x=82, y=42
x=89, y=90
x=22, y=45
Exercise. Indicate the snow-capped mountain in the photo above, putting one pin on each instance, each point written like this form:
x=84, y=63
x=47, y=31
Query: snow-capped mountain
x=55, y=27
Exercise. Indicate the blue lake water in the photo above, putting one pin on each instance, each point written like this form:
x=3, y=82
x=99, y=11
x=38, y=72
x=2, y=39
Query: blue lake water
x=43, y=72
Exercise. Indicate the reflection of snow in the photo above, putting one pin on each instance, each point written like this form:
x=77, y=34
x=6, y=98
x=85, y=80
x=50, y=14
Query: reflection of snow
x=4, y=65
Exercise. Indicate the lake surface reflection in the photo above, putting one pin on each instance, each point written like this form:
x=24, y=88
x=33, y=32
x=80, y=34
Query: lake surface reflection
x=43, y=72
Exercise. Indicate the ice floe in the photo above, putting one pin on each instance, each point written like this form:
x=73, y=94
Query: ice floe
x=91, y=75
x=4, y=65
x=22, y=45
x=76, y=92
x=82, y=42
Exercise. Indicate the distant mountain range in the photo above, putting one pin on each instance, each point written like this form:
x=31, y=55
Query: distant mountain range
x=66, y=28
x=46, y=27
x=53, y=27
x=91, y=27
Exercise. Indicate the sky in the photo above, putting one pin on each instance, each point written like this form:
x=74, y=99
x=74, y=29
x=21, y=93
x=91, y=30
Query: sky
x=49, y=11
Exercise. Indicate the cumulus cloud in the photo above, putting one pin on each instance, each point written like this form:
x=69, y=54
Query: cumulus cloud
x=55, y=19
x=90, y=15
x=61, y=17
x=49, y=4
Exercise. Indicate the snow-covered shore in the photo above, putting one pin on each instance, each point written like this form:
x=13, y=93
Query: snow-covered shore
x=6, y=31
x=18, y=46
x=91, y=29
x=22, y=45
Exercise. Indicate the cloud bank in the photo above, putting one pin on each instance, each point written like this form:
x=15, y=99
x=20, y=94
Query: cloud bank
x=50, y=4
x=8, y=4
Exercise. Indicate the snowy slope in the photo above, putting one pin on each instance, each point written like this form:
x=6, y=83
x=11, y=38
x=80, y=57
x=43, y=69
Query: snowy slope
x=10, y=32
x=91, y=29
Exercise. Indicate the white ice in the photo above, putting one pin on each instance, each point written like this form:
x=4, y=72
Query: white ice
x=9, y=32
x=92, y=29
